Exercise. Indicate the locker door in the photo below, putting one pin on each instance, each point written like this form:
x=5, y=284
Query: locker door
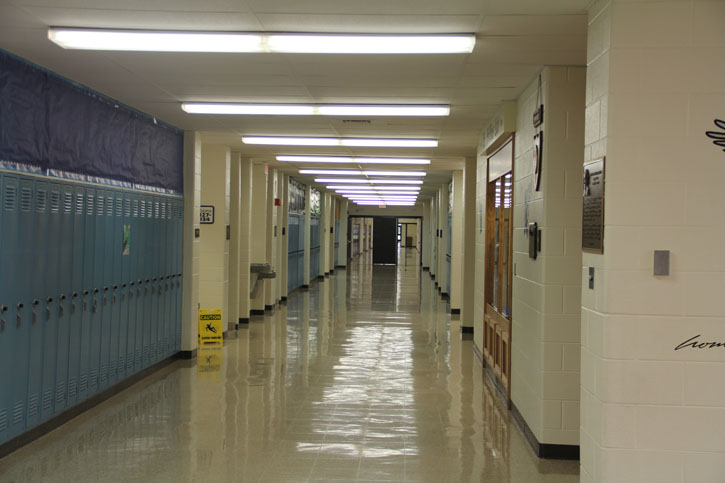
x=25, y=243
x=65, y=299
x=106, y=297
x=179, y=230
x=116, y=247
x=98, y=250
x=125, y=290
x=156, y=316
x=8, y=295
x=167, y=257
x=143, y=313
x=135, y=328
x=78, y=300
x=50, y=301
x=40, y=271
x=89, y=296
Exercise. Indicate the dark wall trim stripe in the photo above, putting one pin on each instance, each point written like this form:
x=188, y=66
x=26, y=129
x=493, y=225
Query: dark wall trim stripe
x=544, y=450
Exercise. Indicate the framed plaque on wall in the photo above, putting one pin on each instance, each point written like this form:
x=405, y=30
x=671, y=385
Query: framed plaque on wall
x=593, y=206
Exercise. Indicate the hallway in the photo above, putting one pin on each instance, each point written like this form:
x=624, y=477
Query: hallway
x=362, y=378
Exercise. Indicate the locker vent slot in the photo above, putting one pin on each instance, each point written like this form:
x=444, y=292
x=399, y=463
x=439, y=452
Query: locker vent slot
x=83, y=383
x=41, y=200
x=11, y=197
x=138, y=357
x=104, y=372
x=93, y=382
x=112, y=368
x=79, y=203
x=109, y=205
x=156, y=210
x=129, y=363
x=54, y=201
x=121, y=363
x=18, y=413
x=26, y=198
x=60, y=393
x=72, y=388
x=3, y=420
x=89, y=204
x=119, y=206
x=33, y=405
x=99, y=205
x=163, y=210
x=150, y=207
x=67, y=202
x=135, y=208
x=128, y=207
x=47, y=399
x=143, y=209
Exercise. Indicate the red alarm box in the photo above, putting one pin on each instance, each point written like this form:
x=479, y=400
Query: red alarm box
x=277, y=202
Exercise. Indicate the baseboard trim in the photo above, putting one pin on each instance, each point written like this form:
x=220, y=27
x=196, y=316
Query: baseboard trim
x=458, y=312
x=256, y=312
x=187, y=355
x=284, y=299
x=425, y=269
x=304, y=286
x=466, y=330
x=243, y=320
x=44, y=428
x=343, y=267
x=320, y=277
x=269, y=308
x=544, y=450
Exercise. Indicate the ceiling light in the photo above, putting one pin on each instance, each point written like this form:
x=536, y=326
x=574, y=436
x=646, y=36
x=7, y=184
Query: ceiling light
x=394, y=173
x=375, y=192
x=352, y=172
x=376, y=188
x=371, y=44
x=368, y=181
x=244, y=42
x=356, y=142
x=342, y=159
x=386, y=203
x=313, y=110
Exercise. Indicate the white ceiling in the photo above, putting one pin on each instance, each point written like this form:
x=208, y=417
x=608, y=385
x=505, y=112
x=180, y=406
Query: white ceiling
x=515, y=38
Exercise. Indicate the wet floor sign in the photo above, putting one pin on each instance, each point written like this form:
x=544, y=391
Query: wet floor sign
x=210, y=326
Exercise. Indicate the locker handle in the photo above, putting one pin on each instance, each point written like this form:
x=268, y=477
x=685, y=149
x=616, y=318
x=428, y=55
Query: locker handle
x=147, y=280
x=62, y=296
x=75, y=295
x=115, y=287
x=49, y=300
x=20, y=305
x=3, y=309
x=133, y=283
x=105, y=289
x=36, y=302
x=95, y=290
x=154, y=279
x=85, y=292
x=123, y=286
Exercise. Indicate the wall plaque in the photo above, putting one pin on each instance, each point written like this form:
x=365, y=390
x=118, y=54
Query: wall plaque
x=206, y=215
x=593, y=207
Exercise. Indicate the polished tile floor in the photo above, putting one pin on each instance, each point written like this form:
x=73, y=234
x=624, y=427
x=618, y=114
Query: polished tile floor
x=362, y=378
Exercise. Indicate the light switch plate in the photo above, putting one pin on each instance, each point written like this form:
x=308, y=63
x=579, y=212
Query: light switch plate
x=661, y=263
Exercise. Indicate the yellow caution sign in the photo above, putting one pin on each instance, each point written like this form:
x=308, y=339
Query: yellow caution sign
x=210, y=326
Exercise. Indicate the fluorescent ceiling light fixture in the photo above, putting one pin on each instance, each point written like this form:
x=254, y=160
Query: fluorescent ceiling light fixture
x=313, y=109
x=375, y=188
x=368, y=181
x=352, y=172
x=374, y=192
x=386, y=203
x=245, y=42
x=377, y=197
x=354, y=142
x=343, y=159
x=371, y=44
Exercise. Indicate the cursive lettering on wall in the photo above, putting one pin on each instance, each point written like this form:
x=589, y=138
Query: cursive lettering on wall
x=718, y=137
x=695, y=343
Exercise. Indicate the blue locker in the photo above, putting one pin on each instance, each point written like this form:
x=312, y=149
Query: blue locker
x=25, y=254
x=89, y=295
x=106, y=296
x=156, y=315
x=98, y=254
x=301, y=254
x=39, y=271
x=135, y=333
x=144, y=280
x=78, y=298
x=114, y=365
x=65, y=300
x=124, y=289
x=8, y=297
x=49, y=319
x=168, y=257
x=179, y=229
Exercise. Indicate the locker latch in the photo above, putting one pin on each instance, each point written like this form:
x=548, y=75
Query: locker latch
x=74, y=296
x=19, y=320
x=113, y=298
x=60, y=305
x=85, y=302
x=3, y=309
x=105, y=291
x=36, y=302
x=95, y=300
x=48, y=301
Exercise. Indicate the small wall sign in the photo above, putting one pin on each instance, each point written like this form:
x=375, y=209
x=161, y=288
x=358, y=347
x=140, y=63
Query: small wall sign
x=593, y=206
x=206, y=215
